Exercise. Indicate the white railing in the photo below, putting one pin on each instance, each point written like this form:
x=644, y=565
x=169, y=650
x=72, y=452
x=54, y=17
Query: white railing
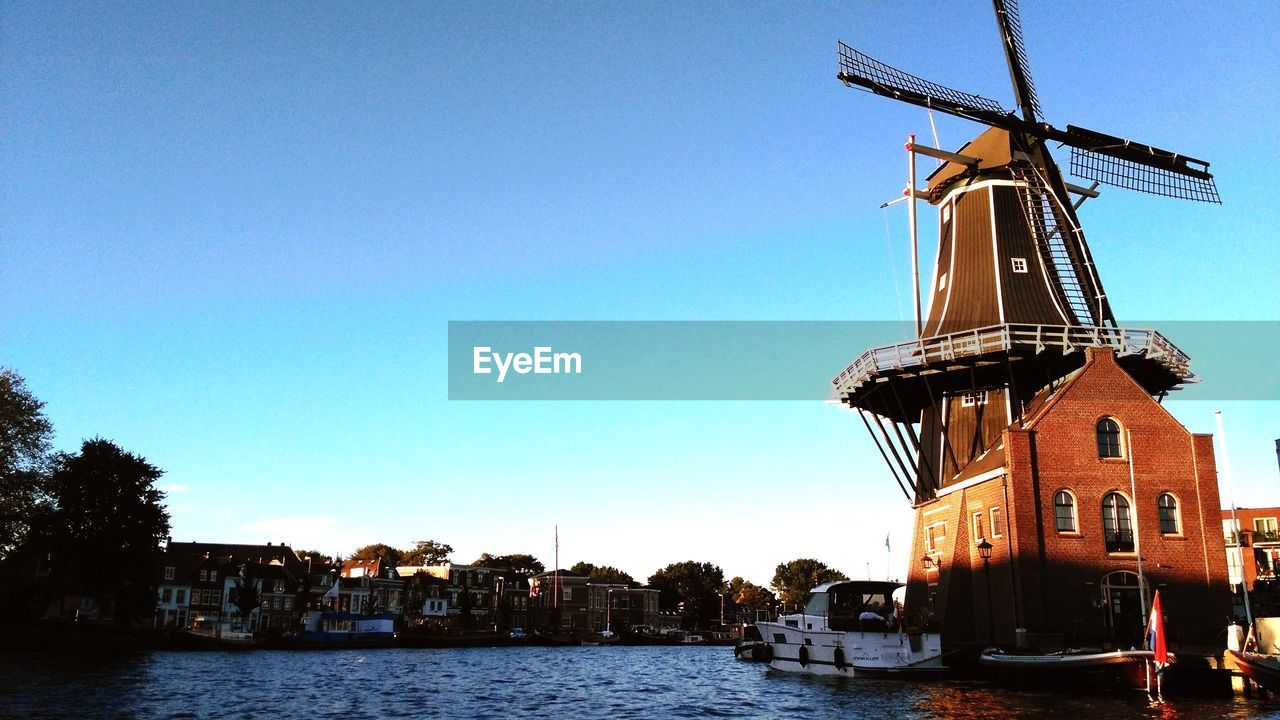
x=977, y=342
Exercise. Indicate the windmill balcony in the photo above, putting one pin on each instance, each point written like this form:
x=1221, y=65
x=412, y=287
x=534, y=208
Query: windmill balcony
x=1150, y=357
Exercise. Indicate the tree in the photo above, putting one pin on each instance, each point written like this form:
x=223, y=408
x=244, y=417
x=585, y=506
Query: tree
x=247, y=597
x=107, y=525
x=793, y=580
x=691, y=584
x=602, y=573
x=428, y=552
x=749, y=595
x=519, y=563
x=317, y=558
x=381, y=551
x=25, y=435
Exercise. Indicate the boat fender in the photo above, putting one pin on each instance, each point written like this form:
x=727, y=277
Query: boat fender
x=838, y=658
x=804, y=656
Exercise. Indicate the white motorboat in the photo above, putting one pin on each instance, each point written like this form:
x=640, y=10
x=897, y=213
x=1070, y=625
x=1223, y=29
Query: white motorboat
x=849, y=628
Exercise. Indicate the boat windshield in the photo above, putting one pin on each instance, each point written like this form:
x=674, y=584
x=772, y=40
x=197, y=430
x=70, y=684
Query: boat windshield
x=817, y=604
x=862, y=608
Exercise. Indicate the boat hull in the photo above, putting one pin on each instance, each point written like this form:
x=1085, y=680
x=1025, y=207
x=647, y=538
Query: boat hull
x=1262, y=669
x=852, y=653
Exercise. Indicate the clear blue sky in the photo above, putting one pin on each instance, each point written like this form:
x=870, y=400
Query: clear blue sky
x=231, y=237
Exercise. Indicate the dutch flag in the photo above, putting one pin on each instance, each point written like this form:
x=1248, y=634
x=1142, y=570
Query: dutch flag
x=1155, y=634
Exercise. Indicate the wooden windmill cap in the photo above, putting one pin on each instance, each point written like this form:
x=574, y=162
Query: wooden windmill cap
x=994, y=148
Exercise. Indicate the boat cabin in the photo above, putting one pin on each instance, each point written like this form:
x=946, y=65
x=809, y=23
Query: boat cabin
x=855, y=605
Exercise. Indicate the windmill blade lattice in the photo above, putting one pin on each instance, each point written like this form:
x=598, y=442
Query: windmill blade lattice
x=881, y=79
x=1016, y=51
x=1105, y=168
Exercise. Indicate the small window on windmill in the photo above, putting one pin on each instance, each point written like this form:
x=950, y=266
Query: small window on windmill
x=1019, y=265
x=942, y=282
x=973, y=398
x=946, y=212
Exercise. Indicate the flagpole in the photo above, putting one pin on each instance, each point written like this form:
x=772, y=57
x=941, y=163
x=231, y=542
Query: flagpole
x=1235, y=522
x=1137, y=541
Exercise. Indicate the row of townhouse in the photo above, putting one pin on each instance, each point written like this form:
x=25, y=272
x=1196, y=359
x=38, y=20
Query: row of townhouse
x=203, y=585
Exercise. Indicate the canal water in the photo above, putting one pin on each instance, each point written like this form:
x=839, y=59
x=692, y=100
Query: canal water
x=562, y=683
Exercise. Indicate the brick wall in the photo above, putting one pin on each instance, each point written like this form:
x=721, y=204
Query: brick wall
x=1051, y=582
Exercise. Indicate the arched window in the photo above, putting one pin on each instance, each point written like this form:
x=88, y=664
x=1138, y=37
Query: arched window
x=1117, y=524
x=1167, y=509
x=1108, y=438
x=1064, y=511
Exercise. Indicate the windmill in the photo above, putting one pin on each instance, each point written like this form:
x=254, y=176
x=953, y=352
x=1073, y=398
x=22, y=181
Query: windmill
x=1015, y=296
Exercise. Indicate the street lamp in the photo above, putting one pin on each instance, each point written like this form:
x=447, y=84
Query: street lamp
x=929, y=563
x=984, y=551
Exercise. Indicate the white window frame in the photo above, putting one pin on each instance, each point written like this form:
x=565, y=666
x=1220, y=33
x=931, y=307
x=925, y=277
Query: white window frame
x=1019, y=264
x=972, y=399
x=932, y=543
x=1075, y=512
x=997, y=513
x=978, y=533
x=168, y=572
x=1235, y=565
x=1177, y=515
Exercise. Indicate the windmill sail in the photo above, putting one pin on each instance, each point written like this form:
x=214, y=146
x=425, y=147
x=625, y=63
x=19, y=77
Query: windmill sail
x=858, y=69
x=1106, y=168
x=1016, y=53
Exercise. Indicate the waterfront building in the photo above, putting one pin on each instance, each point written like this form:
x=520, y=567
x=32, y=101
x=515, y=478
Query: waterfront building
x=467, y=593
x=196, y=579
x=1038, y=539
x=635, y=606
x=510, y=601
x=278, y=589
x=1253, y=545
x=368, y=586
x=566, y=603
x=558, y=602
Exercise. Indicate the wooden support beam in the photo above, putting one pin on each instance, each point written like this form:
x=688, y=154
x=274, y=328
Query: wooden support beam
x=883, y=454
x=934, y=152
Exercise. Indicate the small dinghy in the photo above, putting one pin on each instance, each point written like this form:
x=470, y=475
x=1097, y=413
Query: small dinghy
x=1077, y=666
